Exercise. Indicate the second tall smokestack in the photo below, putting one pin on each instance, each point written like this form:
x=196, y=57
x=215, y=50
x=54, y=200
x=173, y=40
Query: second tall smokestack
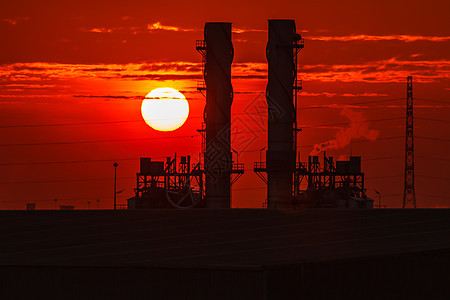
x=219, y=96
x=281, y=153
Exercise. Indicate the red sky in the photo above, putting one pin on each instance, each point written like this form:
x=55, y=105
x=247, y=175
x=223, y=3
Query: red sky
x=88, y=65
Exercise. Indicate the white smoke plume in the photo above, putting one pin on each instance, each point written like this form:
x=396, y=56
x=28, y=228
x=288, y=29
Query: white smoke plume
x=357, y=129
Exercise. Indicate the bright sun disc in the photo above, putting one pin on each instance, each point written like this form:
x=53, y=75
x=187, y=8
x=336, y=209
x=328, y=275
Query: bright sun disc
x=165, y=109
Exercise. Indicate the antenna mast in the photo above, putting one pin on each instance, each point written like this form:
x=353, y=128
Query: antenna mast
x=409, y=194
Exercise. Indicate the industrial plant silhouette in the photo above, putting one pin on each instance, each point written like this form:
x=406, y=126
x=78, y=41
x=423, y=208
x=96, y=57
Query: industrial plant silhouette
x=290, y=183
x=319, y=237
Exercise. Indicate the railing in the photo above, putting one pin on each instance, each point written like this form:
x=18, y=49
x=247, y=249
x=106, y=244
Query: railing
x=298, y=86
x=238, y=167
x=379, y=206
x=302, y=166
x=197, y=167
x=264, y=204
x=201, y=86
x=260, y=165
x=200, y=44
x=300, y=43
x=152, y=184
x=121, y=206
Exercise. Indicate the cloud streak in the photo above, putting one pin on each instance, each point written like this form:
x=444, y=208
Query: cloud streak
x=395, y=37
x=327, y=94
x=159, y=26
x=39, y=77
x=14, y=21
x=388, y=70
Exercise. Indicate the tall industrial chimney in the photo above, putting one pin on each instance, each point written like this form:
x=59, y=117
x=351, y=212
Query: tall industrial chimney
x=282, y=116
x=217, y=116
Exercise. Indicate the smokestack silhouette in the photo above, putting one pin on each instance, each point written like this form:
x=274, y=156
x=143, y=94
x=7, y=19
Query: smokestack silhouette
x=281, y=153
x=217, y=115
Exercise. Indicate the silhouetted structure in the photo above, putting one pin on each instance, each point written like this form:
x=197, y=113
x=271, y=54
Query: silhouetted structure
x=332, y=185
x=337, y=184
x=282, y=87
x=163, y=186
x=292, y=184
x=168, y=185
x=217, y=53
x=115, y=185
x=409, y=193
x=31, y=206
x=66, y=207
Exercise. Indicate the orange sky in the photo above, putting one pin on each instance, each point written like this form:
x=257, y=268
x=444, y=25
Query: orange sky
x=85, y=67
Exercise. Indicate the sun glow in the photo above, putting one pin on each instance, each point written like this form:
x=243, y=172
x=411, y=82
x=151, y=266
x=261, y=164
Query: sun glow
x=165, y=109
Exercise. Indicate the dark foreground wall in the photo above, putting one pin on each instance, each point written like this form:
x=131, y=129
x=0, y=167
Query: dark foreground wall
x=414, y=276
x=225, y=254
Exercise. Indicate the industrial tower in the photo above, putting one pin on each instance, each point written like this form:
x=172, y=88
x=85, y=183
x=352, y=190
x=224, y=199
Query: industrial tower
x=281, y=52
x=409, y=194
x=217, y=52
x=290, y=183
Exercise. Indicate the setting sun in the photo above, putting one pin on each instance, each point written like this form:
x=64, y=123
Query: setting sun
x=165, y=109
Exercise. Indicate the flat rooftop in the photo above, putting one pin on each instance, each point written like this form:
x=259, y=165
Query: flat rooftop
x=248, y=238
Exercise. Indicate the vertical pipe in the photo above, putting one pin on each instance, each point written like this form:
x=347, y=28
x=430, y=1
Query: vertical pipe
x=115, y=184
x=219, y=96
x=279, y=94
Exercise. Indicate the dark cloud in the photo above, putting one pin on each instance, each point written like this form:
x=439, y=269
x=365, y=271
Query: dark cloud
x=162, y=77
x=108, y=97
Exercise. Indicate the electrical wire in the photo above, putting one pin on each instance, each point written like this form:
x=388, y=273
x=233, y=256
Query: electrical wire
x=63, y=180
x=60, y=199
x=433, y=177
x=185, y=136
x=429, y=119
x=354, y=103
x=349, y=123
x=71, y=161
x=140, y=120
x=431, y=157
x=99, y=141
x=432, y=138
x=382, y=177
x=433, y=196
x=382, y=158
x=433, y=100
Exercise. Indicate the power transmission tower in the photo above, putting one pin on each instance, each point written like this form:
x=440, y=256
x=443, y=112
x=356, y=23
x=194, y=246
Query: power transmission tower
x=409, y=194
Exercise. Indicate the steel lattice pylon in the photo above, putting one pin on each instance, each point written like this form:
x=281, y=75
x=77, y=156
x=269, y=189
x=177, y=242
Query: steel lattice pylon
x=409, y=194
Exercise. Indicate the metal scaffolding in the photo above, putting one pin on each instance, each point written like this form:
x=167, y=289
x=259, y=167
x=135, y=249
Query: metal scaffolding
x=409, y=193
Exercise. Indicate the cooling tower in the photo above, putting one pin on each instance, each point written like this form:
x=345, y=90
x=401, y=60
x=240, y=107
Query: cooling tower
x=280, y=154
x=217, y=116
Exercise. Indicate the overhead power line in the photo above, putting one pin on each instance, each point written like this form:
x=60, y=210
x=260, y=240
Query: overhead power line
x=184, y=136
x=140, y=120
x=431, y=157
x=68, y=124
x=433, y=100
x=434, y=120
x=64, y=180
x=383, y=177
x=59, y=199
x=357, y=141
x=433, y=138
x=434, y=177
x=434, y=196
x=69, y=161
x=349, y=104
x=382, y=158
x=99, y=141
x=349, y=123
